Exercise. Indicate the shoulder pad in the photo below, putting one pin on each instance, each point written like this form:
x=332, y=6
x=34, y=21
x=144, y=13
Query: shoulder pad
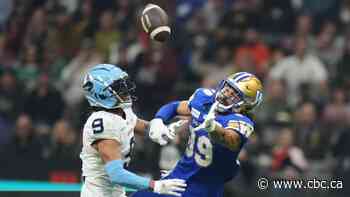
x=241, y=124
x=202, y=93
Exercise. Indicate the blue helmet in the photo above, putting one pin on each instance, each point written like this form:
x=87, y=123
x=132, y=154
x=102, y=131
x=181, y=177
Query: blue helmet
x=107, y=86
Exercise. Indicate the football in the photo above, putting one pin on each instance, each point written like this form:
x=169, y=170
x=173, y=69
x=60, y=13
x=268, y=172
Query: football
x=155, y=22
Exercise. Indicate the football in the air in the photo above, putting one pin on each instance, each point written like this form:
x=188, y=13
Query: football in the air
x=155, y=22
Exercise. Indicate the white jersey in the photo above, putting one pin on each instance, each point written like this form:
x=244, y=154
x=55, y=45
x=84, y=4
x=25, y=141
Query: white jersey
x=105, y=125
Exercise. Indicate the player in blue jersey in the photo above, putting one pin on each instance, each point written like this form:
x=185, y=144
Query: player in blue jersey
x=216, y=138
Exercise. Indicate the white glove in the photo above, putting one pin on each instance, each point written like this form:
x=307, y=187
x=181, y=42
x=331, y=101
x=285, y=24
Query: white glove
x=175, y=126
x=209, y=124
x=169, y=187
x=160, y=133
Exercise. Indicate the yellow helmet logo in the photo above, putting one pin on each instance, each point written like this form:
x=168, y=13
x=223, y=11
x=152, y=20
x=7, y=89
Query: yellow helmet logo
x=250, y=86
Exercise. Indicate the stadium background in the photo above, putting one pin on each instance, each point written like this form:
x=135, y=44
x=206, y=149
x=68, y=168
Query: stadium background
x=299, y=48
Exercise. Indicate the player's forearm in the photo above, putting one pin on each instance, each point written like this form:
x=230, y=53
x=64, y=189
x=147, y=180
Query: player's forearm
x=226, y=137
x=142, y=127
x=118, y=175
x=170, y=110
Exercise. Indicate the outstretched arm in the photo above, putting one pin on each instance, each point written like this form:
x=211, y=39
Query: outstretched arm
x=170, y=110
x=141, y=127
x=110, y=152
x=166, y=113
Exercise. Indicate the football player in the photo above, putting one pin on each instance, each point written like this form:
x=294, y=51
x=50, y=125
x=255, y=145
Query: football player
x=216, y=139
x=108, y=137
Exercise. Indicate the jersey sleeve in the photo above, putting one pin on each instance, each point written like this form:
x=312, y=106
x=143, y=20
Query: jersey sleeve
x=199, y=94
x=242, y=125
x=107, y=127
x=192, y=97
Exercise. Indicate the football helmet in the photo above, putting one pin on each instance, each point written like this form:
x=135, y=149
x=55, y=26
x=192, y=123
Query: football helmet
x=239, y=92
x=107, y=86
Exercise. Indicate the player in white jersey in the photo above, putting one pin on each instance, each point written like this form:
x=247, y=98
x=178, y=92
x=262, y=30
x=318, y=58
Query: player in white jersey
x=108, y=137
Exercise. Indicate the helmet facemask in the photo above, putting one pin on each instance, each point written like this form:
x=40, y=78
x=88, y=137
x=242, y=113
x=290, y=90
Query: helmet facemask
x=124, y=91
x=229, y=97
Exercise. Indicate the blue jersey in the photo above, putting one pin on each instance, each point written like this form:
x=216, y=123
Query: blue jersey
x=207, y=165
x=204, y=160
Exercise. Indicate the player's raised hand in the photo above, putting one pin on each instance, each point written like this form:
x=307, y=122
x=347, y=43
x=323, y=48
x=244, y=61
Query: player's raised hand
x=209, y=124
x=159, y=133
x=170, y=187
x=175, y=126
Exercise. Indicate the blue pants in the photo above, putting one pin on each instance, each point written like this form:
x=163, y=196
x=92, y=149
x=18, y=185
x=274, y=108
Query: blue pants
x=193, y=190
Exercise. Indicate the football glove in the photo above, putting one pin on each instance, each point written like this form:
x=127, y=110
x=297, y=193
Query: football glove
x=169, y=187
x=159, y=133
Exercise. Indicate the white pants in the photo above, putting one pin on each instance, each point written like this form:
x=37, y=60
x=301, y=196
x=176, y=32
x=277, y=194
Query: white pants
x=91, y=190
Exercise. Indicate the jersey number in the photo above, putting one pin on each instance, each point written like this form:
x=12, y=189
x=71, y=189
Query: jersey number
x=204, y=153
x=97, y=125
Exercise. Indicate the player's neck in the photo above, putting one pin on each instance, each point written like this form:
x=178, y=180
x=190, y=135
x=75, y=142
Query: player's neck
x=119, y=111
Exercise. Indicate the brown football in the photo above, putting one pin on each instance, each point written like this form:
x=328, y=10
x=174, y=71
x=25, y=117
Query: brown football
x=155, y=22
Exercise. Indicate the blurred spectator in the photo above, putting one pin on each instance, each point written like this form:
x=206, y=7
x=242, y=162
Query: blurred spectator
x=255, y=49
x=65, y=144
x=304, y=29
x=275, y=109
x=344, y=13
x=61, y=38
x=70, y=5
x=329, y=47
x=159, y=64
x=343, y=69
x=310, y=135
x=37, y=31
x=125, y=13
x=11, y=42
x=11, y=98
x=300, y=68
x=340, y=152
x=25, y=145
x=235, y=22
x=218, y=70
x=213, y=11
x=44, y=99
x=107, y=33
x=27, y=70
x=289, y=160
x=24, y=148
x=6, y=7
x=84, y=22
x=335, y=113
x=186, y=8
x=278, y=16
x=73, y=73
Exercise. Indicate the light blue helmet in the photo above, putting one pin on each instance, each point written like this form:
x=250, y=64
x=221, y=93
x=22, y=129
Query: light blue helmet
x=107, y=86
